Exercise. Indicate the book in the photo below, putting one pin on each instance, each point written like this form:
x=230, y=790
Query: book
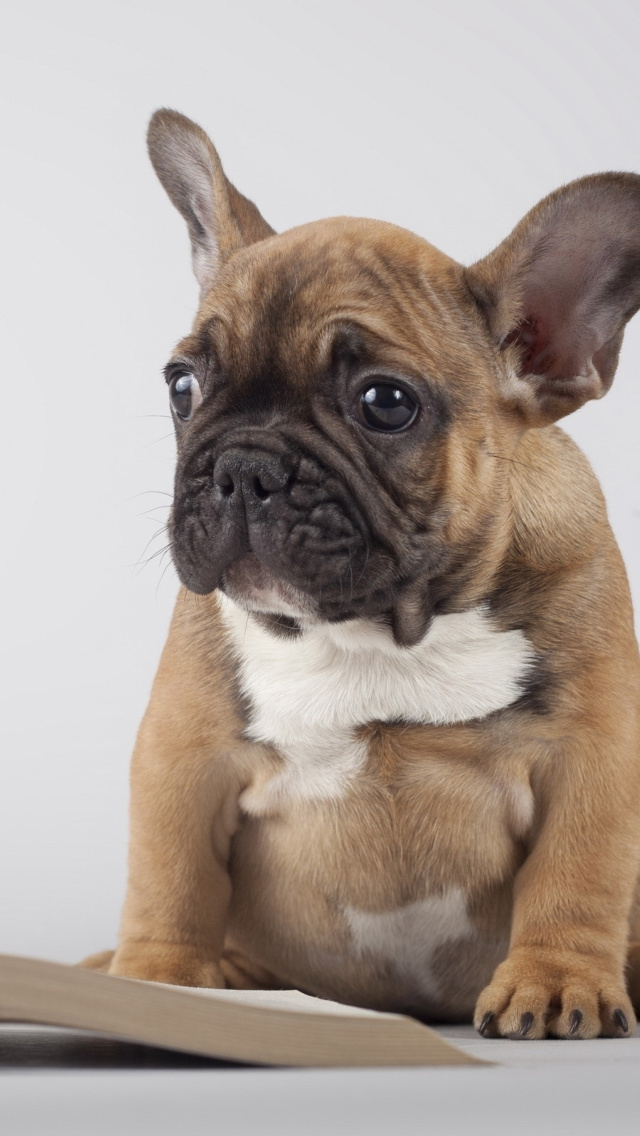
x=263, y=1027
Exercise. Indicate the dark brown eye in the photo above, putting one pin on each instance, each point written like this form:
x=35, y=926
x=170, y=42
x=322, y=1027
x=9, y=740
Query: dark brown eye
x=185, y=395
x=386, y=407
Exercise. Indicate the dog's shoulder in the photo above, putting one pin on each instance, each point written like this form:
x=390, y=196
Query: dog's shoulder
x=558, y=509
x=563, y=579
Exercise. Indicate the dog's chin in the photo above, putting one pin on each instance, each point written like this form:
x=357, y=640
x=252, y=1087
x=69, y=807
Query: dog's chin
x=284, y=610
x=253, y=587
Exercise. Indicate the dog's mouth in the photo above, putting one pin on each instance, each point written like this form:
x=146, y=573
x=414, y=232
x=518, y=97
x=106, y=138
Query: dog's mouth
x=284, y=608
x=254, y=587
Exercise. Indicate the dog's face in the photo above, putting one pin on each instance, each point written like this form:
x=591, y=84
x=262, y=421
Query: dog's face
x=349, y=398
x=333, y=380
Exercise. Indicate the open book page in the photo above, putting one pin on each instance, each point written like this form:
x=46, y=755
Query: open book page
x=265, y=1027
x=289, y=1000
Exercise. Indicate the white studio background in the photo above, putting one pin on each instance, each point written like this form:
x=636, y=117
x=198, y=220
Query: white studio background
x=450, y=117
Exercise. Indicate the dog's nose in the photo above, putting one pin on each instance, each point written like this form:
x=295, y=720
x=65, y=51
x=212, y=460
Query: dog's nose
x=254, y=475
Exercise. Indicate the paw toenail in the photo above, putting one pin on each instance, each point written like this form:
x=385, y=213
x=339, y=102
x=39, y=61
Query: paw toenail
x=485, y=1023
x=620, y=1018
x=526, y=1022
x=575, y=1021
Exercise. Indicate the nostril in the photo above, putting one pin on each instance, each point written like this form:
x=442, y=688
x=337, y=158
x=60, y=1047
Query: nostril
x=260, y=490
x=225, y=484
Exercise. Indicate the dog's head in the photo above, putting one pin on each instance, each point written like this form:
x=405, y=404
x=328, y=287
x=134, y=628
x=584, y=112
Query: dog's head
x=348, y=394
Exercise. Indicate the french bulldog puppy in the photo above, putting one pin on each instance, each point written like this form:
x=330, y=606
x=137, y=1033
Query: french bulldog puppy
x=392, y=753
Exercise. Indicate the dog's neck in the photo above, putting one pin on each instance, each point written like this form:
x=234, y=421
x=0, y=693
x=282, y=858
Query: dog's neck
x=309, y=694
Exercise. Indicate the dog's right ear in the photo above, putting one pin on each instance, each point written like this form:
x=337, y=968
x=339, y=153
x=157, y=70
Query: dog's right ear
x=220, y=220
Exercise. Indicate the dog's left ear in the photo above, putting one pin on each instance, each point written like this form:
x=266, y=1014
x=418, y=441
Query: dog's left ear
x=558, y=292
x=219, y=219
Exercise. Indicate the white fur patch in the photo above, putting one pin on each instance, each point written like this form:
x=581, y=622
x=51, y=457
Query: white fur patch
x=522, y=808
x=407, y=938
x=309, y=693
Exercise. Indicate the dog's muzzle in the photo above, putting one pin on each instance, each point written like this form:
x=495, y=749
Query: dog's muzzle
x=296, y=517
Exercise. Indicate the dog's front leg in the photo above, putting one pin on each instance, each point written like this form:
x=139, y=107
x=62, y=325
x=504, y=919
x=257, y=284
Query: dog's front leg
x=564, y=974
x=184, y=789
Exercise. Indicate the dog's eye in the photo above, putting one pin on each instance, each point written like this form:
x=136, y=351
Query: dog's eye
x=185, y=395
x=385, y=407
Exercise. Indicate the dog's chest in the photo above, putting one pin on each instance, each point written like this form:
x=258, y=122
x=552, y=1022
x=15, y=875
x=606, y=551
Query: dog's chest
x=308, y=695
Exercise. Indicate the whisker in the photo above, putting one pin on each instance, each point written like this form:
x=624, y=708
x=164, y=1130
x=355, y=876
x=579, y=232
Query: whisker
x=139, y=417
x=143, y=563
x=145, y=492
x=159, y=532
x=159, y=552
x=146, y=512
x=166, y=568
x=156, y=441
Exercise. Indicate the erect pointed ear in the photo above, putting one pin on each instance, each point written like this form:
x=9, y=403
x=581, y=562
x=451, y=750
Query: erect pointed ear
x=220, y=220
x=558, y=292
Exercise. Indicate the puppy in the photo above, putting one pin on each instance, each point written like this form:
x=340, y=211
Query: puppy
x=392, y=753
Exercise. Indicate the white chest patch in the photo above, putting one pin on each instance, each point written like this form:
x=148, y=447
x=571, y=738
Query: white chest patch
x=308, y=694
x=407, y=939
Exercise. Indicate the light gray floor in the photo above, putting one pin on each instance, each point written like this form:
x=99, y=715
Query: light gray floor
x=539, y=1087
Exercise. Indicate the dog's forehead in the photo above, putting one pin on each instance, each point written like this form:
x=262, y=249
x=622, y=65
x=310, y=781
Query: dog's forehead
x=284, y=296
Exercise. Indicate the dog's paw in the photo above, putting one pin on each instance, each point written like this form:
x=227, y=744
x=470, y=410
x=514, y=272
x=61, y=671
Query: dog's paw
x=100, y=961
x=166, y=962
x=536, y=994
